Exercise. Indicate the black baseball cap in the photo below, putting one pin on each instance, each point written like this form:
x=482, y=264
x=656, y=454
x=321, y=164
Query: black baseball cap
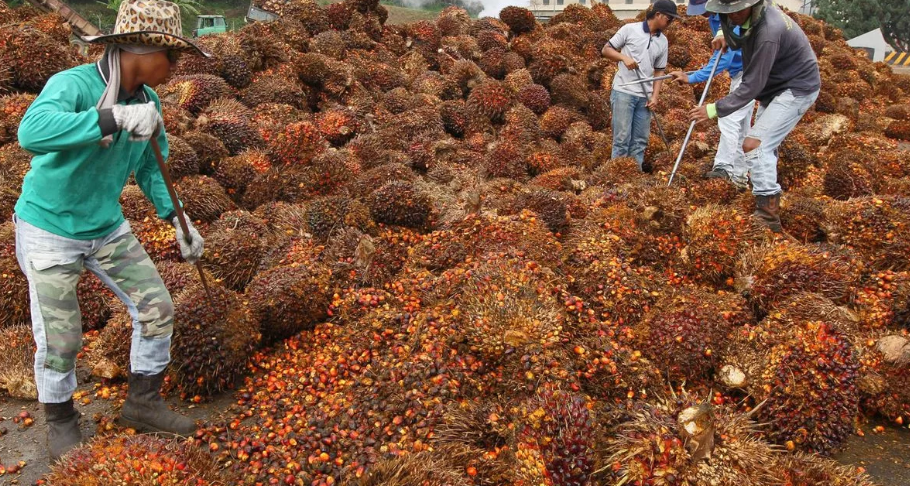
x=666, y=7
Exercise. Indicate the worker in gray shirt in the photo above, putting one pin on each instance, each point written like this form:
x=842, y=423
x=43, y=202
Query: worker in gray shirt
x=780, y=70
x=640, y=49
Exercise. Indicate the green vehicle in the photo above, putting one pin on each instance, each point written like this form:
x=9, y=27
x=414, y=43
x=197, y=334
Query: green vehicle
x=209, y=25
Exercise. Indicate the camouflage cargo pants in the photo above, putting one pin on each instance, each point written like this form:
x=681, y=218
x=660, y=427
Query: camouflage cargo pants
x=53, y=265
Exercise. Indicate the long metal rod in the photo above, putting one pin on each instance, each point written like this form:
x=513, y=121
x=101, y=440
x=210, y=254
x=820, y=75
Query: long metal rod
x=178, y=209
x=647, y=80
x=660, y=129
x=704, y=94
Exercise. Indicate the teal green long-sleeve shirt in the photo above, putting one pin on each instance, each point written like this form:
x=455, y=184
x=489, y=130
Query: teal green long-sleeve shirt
x=74, y=184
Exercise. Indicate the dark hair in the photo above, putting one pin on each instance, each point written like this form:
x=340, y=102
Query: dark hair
x=650, y=12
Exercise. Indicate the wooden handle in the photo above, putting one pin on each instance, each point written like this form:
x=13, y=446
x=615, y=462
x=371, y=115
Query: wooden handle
x=181, y=218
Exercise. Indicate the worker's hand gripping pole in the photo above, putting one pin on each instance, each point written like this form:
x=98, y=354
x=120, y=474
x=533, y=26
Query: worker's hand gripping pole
x=644, y=91
x=179, y=210
x=704, y=94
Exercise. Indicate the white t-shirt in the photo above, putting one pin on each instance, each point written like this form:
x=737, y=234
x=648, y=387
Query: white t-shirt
x=634, y=40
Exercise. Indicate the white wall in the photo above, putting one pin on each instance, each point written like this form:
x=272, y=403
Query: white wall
x=624, y=9
x=621, y=8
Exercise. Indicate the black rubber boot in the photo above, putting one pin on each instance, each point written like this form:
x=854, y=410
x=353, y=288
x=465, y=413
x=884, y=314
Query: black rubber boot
x=62, y=428
x=718, y=174
x=145, y=410
x=767, y=210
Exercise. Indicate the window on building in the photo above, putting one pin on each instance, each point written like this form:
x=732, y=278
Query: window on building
x=546, y=2
x=581, y=2
x=559, y=2
x=628, y=2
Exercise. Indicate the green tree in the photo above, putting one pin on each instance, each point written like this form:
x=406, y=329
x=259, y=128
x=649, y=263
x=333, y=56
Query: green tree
x=894, y=16
x=853, y=17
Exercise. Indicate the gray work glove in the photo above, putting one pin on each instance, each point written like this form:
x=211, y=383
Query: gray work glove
x=192, y=250
x=142, y=120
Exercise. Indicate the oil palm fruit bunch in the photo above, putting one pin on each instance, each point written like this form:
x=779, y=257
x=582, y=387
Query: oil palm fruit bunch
x=286, y=300
x=871, y=225
x=153, y=460
x=17, y=353
x=715, y=238
x=234, y=247
x=14, y=300
x=686, y=328
x=213, y=343
x=771, y=273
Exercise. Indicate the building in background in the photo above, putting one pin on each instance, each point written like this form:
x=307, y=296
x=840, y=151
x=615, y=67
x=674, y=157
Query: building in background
x=873, y=42
x=626, y=9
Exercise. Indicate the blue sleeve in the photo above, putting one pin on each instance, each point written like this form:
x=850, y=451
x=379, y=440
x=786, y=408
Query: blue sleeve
x=704, y=73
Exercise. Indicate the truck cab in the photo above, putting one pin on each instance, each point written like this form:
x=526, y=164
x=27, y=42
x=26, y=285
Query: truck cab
x=209, y=25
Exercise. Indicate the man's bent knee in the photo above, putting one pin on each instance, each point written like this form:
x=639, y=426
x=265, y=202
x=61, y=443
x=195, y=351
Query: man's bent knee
x=157, y=317
x=750, y=144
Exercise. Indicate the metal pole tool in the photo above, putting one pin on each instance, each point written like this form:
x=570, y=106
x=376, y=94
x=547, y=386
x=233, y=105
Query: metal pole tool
x=178, y=209
x=649, y=80
x=660, y=129
x=704, y=94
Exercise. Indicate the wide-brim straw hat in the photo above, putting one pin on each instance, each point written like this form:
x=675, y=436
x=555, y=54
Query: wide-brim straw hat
x=148, y=23
x=729, y=6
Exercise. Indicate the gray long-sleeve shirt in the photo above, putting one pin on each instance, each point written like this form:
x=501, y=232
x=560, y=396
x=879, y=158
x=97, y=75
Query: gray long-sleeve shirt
x=776, y=57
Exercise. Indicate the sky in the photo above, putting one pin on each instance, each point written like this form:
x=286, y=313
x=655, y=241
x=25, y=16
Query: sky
x=492, y=7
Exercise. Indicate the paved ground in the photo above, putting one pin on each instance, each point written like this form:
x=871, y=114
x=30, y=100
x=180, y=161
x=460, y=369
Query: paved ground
x=27, y=444
x=885, y=455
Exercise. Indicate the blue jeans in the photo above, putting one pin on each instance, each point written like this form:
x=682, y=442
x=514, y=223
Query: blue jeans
x=772, y=125
x=53, y=265
x=631, y=125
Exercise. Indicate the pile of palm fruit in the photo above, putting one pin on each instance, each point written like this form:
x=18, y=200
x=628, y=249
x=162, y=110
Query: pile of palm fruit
x=428, y=270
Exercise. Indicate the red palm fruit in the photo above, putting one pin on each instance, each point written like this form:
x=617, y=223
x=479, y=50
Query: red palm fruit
x=12, y=108
x=275, y=88
x=139, y=459
x=773, y=272
x=505, y=159
x=557, y=119
x=33, y=56
x=685, y=329
x=490, y=100
x=297, y=144
x=17, y=353
x=337, y=125
x=870, y=226
x=286, y=300
x=715, y=238
x=519, y=20
x=235, y=244
x=203, y=198
x=882, y=381
x=213, y=346
x=195, y=92
x=400, y=203
x=230, y=122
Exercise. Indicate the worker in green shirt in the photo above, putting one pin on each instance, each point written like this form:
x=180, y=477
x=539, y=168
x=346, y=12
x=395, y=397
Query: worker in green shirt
x=89, y=130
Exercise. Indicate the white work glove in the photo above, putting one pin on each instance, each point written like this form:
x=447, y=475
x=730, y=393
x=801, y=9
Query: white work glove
x=142, y=120
x=192, y=250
